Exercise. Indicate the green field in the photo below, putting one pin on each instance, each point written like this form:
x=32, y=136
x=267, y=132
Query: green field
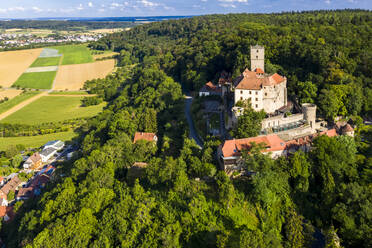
x=53, y=109
x=36, y=80
x=17, y=100
x=35, y=141
x=40, y=62
x=75, y=54
x=69, y=93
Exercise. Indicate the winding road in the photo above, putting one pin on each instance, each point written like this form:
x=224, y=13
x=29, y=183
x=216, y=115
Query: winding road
x=193, y=133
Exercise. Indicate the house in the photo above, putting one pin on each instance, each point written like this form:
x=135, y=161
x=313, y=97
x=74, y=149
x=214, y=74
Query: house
x=40, y=181
x=6, y=213
x=2, y=181
x=145, y=136
x=231, y=151
x=47, y=153
x=210, y=89
x=55, y=144
x=10, y=186
x=34, y=162
x=25, y=193
x=265, y=92
x=3, y=202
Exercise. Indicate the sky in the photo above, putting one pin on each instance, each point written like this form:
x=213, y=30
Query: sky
x=128, y=8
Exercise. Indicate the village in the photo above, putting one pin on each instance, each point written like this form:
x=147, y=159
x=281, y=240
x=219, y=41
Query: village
x=14, y=40
x=37, y=170
x=287, y=127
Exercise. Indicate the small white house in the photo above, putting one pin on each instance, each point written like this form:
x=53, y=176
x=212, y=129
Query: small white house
x=47, y=153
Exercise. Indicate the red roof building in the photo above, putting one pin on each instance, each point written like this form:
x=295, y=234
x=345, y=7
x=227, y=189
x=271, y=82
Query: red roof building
x=145, y=136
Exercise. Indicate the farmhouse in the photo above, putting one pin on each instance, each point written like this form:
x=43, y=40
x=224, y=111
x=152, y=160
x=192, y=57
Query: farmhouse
x=55, y=144
x=12, y=185
x=47, y=153
x=145, y=136
x=34, y=162
x=265, y=92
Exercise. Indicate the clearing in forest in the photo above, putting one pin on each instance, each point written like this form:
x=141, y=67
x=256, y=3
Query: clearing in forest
x=75, y=54
x=36, y=80
x=73, y=77
x=14, y=63
x=53, y=109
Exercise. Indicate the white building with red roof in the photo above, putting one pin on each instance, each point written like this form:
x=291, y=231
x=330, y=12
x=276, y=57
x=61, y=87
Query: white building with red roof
x=145, y=136
x=265, y=92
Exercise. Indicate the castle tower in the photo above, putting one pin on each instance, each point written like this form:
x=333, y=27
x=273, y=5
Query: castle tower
x=309, y=111
x=257, y=58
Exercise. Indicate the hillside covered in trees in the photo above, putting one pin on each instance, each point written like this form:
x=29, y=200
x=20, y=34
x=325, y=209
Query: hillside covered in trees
x=182, y=199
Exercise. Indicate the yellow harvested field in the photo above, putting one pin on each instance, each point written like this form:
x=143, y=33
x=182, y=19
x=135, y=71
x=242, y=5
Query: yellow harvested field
x=104, y=55
x=106, y=30
x=10, y=93
x=73, y=77
x=14, y=63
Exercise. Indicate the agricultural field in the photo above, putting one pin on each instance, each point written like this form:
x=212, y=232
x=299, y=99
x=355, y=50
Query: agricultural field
x=17, y=100
x=9, y=93
x=14, y=63
x=35, y=141
x=53, y=109
x=106, y=54
x=75, y=54
x=36, y=80
x=69, y=93
x=48, y=61
x=73, y=77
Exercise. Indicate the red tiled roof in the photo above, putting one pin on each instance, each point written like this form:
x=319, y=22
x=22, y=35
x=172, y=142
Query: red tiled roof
x=347, y=128
x=259, y=71
x=250, y=80
x=11, y=185
x=309, y=139
x=25, y=192
x=234, y=147
x=2, y=211
x=144, y=136
x=40, y=181
x=210, y=87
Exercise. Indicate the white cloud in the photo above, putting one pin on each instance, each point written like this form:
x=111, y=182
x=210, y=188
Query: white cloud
x=327, y=1
x=80, y=7
x=36, y=9
x=146, y=3
x=90, y=4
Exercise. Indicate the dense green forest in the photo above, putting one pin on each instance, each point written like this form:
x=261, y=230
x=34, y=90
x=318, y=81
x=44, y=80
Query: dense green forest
x=182, y=199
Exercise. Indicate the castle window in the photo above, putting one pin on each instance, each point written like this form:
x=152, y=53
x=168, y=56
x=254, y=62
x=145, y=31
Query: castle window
x=256, y=57
x=256, y=92
x=257, y=51
x=256, y=105
x=250, y=92
x=241, y=92
x=256, y=99
x=265, y=94
x=241, y=98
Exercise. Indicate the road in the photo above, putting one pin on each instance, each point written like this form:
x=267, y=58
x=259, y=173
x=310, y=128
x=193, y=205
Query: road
x=193, y=134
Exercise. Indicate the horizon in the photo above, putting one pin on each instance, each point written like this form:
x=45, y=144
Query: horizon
x=25, y=9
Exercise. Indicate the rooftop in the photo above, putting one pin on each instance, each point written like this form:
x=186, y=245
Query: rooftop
x=234, y=147
x=250, y=80
x=144, y=136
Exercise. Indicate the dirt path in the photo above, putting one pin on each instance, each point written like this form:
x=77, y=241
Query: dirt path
x=67, y=95
x=21, y=105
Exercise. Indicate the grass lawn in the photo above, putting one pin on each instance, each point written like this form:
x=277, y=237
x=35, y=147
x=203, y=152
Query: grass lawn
x=36, y=80
x=53, y=109
x=17, y=100
x=75, y=54
x=35, y=141
x=69, y=93
x=40, y=62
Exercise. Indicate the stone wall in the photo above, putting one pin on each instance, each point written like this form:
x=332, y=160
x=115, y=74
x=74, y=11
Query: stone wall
x=280, y=120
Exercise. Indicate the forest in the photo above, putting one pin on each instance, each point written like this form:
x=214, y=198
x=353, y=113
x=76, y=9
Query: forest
x=182, y=198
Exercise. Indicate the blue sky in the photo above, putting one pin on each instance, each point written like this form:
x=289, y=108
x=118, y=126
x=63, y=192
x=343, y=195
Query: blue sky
x=104, y=8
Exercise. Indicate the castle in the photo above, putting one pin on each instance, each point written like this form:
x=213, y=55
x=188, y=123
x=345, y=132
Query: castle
x=265, y=92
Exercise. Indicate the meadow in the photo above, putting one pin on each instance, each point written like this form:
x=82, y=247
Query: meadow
x=17, y=100
x=40, y=62
x=74, y=54
x=36, y=80
x=69, y=93
x=53, y=109
x=35, y=141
